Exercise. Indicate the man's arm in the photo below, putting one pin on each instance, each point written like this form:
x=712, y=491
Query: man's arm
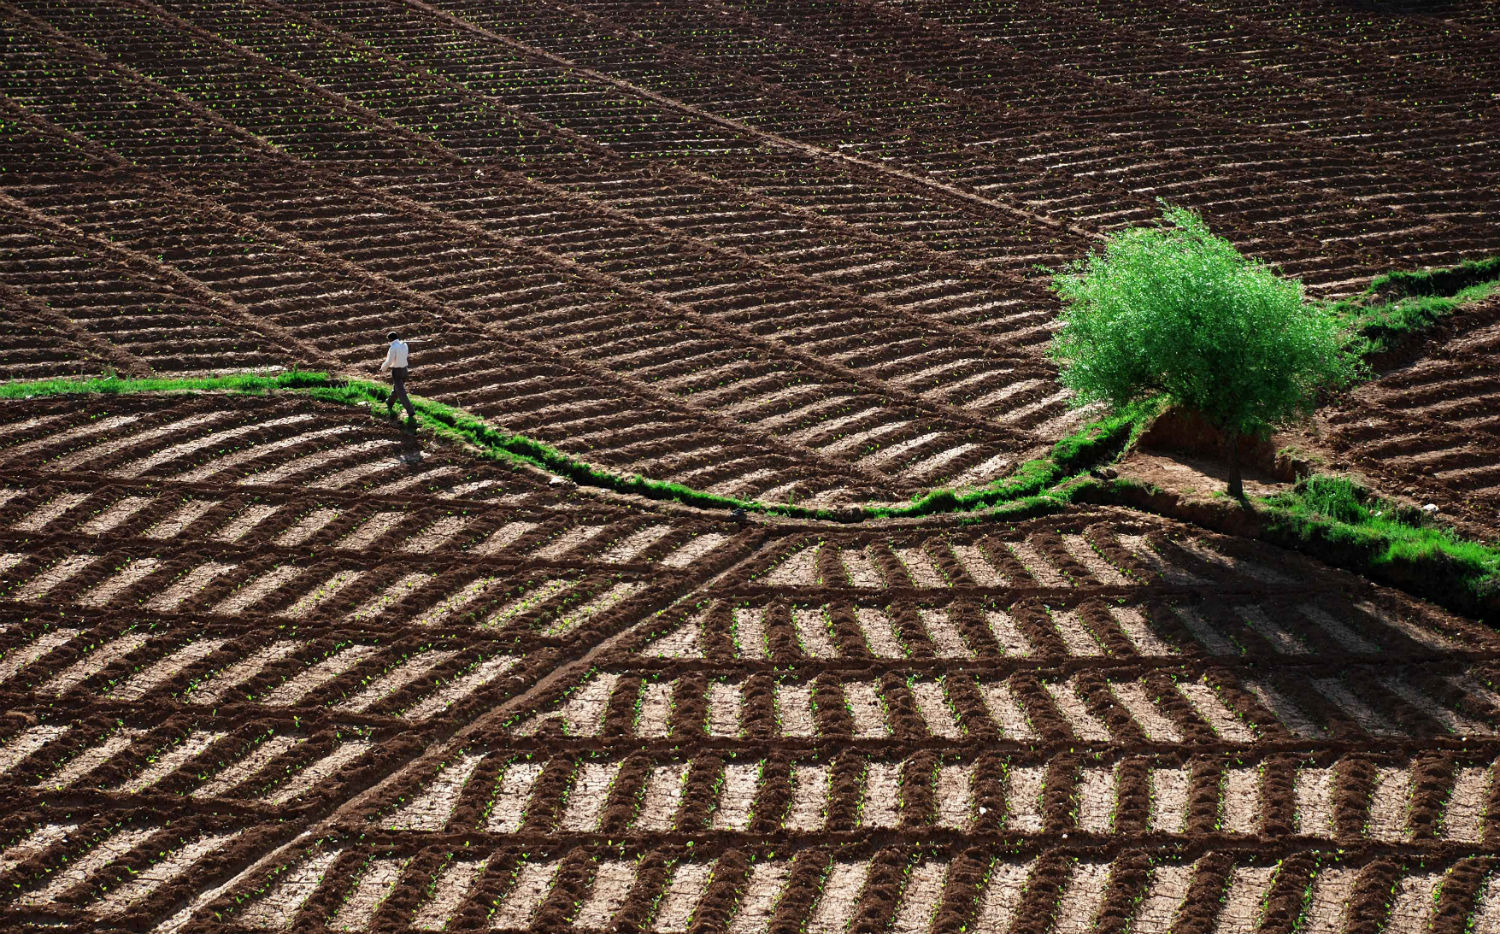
x=387, y=364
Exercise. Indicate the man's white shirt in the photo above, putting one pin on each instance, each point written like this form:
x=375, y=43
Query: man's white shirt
x=395, y=358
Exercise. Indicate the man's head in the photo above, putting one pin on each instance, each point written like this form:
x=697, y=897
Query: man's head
x=393, y=336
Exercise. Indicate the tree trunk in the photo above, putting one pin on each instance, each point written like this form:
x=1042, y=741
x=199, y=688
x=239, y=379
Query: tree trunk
x=1232, y=455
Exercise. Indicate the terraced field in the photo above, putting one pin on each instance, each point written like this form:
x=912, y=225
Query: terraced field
x=782, y=250
x=222, y=616
x=269, y=664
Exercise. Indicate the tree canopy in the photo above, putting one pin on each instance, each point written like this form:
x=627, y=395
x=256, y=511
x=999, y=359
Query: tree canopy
x=1173, y=310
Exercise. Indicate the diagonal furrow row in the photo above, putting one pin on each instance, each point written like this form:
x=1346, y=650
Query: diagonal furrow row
x=1176, y=156
x=924, y=458
x=41, y=343
x=726, y=213
x=887, y=888
x=895, y=287
x=265, y=279
x=111, y=295
x=1425, y=39
x=1289, y=87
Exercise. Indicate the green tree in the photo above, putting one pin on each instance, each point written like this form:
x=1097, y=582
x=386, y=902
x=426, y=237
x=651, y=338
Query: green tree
x=1174, y=311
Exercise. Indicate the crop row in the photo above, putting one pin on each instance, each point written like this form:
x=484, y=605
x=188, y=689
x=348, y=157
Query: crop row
x=477, y=109
x=396, y=91
x=271, y=520
x=100, y=867
x=185, y=50
x=1106, y=699
x=894, y=888
x=967, y=629
x=412, y=678
x=641, y=254
x=1099, y=556
x=552, y=604
x=1349, y=798
x=1091, y=707
x=253, y=763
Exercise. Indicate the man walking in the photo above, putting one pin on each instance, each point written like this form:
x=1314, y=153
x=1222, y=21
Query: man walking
x=396, y=361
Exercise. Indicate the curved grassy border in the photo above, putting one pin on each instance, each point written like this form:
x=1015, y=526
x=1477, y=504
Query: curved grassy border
x=1329, y=517
x=1447, y=281
x=1396, y=543
x=1399, y=305
x=1037, y=485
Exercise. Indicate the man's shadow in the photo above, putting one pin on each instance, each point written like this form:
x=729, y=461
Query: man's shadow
x=411, y=447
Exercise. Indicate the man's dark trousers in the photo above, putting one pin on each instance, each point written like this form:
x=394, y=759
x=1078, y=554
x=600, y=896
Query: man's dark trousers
x=398, y=392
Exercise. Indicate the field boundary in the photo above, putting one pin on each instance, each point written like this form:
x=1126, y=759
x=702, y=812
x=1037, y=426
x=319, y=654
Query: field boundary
x=1398, y=306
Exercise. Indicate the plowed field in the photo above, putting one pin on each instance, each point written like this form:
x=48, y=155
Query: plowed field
x=223, y=616
x=268, y=664
x=776, y=249
x=1431, y=428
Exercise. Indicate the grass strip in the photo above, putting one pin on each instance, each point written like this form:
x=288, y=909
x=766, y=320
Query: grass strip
x=1033, y=486
x=112, y=385
x=1338, y=515
x=1344, y=524
x=1449, y=281
x=1398, y=305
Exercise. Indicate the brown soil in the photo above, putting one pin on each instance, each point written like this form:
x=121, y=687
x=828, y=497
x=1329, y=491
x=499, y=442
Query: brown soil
x=1196, y=479
x=769, y=249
